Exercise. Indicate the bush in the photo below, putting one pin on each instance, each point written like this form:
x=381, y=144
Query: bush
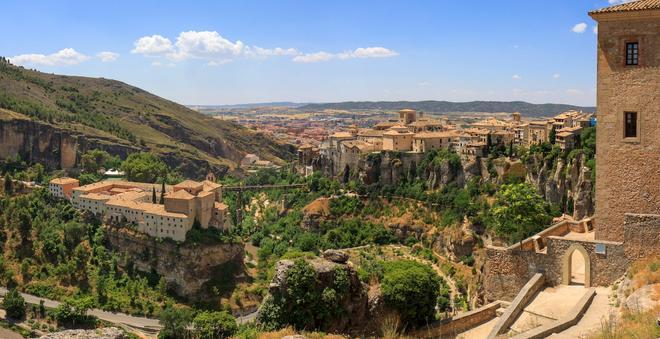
x=210, y=325
x=73, y=312
x=412, y=289
x=14, y=304
x=519, y=212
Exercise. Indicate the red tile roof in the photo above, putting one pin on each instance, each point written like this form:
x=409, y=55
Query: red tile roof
x=639, y=5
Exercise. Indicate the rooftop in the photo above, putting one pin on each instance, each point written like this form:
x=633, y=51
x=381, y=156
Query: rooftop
x=432, y=135
x=640, y=5
x=64, y=181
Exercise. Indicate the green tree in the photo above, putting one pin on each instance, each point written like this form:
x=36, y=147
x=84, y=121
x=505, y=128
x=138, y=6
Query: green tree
x=8, y=184
x=412, y=289
x=73, y=311
x=14, y=304
x=519, y=212
x=162, y=193
x=213, y=325
x=153, y=195
x=93, y=160
x=175, y=322
x=144, y=167
x=552, y=137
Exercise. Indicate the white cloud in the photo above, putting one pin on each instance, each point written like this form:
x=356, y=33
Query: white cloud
x=107, y=56
x=556, y=76
x=162, y=64
x=64, y=57
x=152, y=45
x=205, y=45
x=361, y=53
x=516, y=77
x=579, y=28
x=217, y=50
x=616, y=2
x=574, y=92
x=595, y=29
x=314, y=57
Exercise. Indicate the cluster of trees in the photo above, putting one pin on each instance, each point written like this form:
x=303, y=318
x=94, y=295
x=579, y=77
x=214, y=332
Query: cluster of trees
x=408, y=287
x=179, y=322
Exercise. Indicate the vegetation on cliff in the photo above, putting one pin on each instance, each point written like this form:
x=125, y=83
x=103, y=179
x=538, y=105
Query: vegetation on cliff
x=126, y=115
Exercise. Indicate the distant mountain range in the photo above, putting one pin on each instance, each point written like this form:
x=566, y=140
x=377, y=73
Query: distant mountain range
x=527, y=109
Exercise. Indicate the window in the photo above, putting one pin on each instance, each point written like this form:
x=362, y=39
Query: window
x=632, y=53
x=630, y=122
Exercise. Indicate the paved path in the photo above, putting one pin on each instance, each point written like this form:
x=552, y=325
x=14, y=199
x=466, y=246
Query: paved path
x=600, y=310
x=149, y=325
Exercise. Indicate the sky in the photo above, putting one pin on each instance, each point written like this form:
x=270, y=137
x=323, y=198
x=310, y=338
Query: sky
x=232, y=52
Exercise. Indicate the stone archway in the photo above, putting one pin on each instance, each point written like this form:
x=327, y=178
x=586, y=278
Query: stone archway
x=576, y=255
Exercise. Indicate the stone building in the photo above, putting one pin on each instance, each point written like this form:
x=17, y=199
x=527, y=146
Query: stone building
x=63, y=187
x=398, y=138
x=628, y=138
x=124, y=202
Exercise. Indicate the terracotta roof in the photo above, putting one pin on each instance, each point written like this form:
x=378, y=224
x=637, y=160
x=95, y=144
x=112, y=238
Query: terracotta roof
x=640, y=5
x=433, y=135
x=370, y=133
x=64, y=181
x=210, y=185
x=180, y=194
x=189, y=183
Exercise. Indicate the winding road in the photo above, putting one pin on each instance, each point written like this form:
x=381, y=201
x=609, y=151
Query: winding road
x=147, y=325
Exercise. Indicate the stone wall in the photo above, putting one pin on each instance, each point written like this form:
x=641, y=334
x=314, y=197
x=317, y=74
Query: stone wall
x=185, y=268
x=628, y=168
x=459, y=323
x=642, y=236
x=508, y=269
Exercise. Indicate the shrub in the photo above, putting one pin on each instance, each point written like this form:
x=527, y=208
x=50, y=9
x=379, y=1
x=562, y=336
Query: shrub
x=14, y=304
x=412, y=289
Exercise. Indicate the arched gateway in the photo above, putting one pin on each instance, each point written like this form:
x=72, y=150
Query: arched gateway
x=576, y=267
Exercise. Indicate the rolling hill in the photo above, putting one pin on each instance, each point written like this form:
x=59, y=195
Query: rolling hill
x=70, y=114
x=527, y=109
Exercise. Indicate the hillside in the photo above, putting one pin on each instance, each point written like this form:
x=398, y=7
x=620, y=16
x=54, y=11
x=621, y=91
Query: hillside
x=527, y=109
x=97, y=112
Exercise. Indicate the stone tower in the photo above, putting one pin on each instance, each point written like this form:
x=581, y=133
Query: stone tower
x=628, y=117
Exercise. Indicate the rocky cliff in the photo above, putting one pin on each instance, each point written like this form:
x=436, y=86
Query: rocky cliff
x=185, y=267
x=567, y=184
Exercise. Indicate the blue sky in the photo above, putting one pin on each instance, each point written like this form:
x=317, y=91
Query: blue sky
x=213, y=52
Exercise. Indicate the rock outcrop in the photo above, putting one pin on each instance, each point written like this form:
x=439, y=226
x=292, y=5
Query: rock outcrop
x=99, y=333
x=567, y=185
x=185, y=267
x=354, y=302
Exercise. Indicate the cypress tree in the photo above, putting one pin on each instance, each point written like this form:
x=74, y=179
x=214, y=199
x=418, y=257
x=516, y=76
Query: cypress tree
x=153, y=195
x=162, y=193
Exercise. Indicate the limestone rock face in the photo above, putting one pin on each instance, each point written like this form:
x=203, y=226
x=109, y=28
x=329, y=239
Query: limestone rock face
x=185, y=268
x=56, y=147
x=100, y=333
x=569, y=185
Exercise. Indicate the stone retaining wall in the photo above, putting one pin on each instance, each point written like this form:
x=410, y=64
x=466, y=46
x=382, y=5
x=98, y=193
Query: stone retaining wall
x=526, y=294
x=459, y=323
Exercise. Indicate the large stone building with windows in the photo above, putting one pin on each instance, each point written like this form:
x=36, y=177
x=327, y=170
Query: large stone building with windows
x=126, y=203
x=628, y=138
